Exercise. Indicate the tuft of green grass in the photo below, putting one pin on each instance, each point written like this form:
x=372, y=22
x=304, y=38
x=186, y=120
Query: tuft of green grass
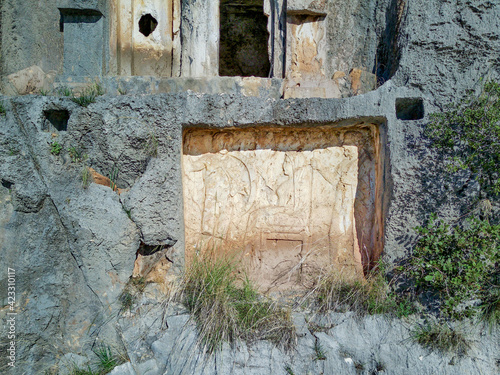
x=2, y=109
x=64, y=91
x=106, y=360
x=440, y=337
x=134, y=287
x=89, y=95
x=113, y=176
x=105, y=363
x=86, y=176
x=489, y=310
x=55, y=148
x=227, y=308
x=319, y=352
x=44, y=92
x=288, y=369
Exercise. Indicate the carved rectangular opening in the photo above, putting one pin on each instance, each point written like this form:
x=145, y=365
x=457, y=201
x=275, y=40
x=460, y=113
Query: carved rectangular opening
x=243, y=49
x=287, y=201
x=83, y=42
x=409, y=108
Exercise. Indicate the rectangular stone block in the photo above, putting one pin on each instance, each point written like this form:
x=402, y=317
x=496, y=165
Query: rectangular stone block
x=307, y=7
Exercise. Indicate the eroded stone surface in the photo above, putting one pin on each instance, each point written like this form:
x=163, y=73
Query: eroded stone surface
x=291, y=201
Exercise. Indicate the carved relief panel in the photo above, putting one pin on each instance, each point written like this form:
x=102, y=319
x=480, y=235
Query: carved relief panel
x=289, y=201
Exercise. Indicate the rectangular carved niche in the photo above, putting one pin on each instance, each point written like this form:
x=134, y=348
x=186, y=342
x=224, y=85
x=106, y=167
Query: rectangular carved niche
x=289, y=201
x=83, y=42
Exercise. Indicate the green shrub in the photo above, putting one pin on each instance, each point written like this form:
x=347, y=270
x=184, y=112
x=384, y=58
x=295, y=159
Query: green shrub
x=2, y=109
x=55, y=148
x=468, y=134
x=459, y=264
x=226, y=308
x=439, y=336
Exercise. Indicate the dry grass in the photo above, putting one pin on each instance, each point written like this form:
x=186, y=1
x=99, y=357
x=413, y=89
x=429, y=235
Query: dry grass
x=342, y=290
x=226, y=307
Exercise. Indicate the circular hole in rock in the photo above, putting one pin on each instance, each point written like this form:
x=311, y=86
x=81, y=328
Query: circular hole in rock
x=147, y=24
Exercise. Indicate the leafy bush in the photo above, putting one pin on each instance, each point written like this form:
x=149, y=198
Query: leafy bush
x=468, y=134
x=460, y=264
x=226, y=308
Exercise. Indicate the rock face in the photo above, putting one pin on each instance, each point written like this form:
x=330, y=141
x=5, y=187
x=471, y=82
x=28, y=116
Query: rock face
x=348, y=345
x=74, y=249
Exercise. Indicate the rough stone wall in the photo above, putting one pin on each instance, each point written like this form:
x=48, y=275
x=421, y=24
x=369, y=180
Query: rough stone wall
x=74, y=249
x=30, y=36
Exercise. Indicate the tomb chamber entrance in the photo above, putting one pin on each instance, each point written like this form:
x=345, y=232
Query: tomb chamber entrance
x=288, y=202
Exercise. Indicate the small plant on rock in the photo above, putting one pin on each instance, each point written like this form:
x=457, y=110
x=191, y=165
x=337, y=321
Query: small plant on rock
x=55, y=148
x=113, y=176
x=319, y=352
x=134, y=287
x=86, y=176
x=2, y=109
x=76, y=155
x=151, y=146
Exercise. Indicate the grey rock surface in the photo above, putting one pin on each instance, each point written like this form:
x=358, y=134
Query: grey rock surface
x=350, y=344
